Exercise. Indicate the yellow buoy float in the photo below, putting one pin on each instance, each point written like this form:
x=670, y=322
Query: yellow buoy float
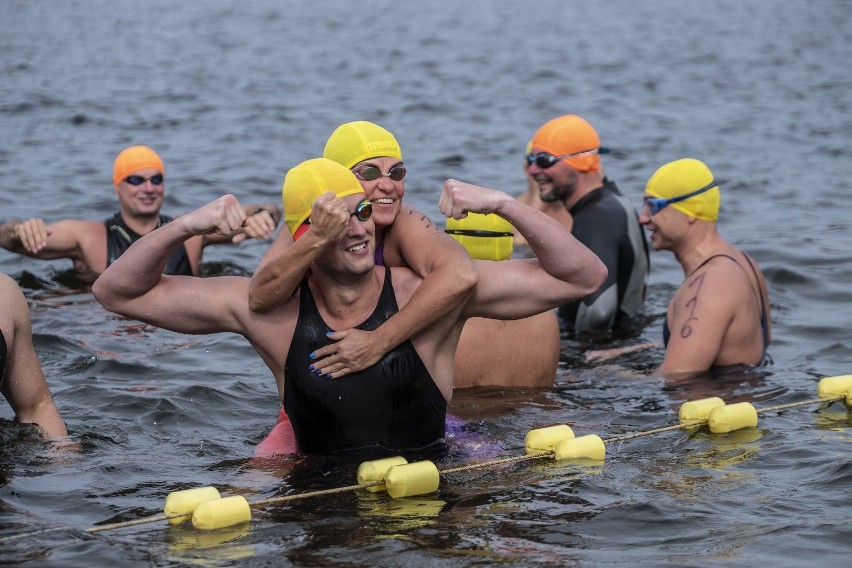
x=834, y=386
x=732, y=417
x=377, y=470
x=544, y=439
x=186, y=501
x=407, y=480
x=589, y=447
x=695, y=410
x=221, y=513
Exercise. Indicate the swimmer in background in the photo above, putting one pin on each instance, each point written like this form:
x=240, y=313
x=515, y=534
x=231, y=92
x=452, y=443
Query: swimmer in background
x=719, y=317
x=139, y=184
x=518, y=353
x=398, y=404
x=21, y=378
x=404, y=237
x=564, y=161
x=531, y=197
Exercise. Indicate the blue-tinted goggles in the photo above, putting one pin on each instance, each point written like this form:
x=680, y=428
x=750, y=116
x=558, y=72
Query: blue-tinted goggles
x=656, y=204
x=156, y=179
x=544, y=160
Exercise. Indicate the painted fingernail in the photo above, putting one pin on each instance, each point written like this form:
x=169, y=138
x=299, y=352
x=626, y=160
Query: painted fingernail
x=328, y=376
x=328, y=333
x=313, y=355
x=318, y=372
x=311, y=368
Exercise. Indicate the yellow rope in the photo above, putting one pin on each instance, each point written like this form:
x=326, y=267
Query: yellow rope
x=470, y=467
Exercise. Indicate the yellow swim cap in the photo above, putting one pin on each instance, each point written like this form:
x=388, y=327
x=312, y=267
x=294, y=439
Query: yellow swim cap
x=357, y=141
x=310, y=179
x=685, y=176
x=486, y=237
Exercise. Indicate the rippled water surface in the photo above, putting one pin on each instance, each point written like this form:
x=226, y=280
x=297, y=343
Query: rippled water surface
x=232, y=94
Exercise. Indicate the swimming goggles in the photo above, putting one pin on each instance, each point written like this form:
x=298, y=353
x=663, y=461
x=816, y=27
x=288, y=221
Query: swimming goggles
x=156, y=179
x=369, y=173
x=655, y=204
x=362, y=212
x=544, y=160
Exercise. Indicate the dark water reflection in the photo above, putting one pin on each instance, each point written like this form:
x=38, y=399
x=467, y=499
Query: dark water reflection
x=232, y=94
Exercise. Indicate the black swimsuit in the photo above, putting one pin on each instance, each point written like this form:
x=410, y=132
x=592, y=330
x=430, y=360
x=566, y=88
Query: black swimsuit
x=764, y=323
x=394, y=404
x=120, y=237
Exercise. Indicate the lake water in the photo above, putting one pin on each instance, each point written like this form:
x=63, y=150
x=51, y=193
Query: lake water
x=232, y=94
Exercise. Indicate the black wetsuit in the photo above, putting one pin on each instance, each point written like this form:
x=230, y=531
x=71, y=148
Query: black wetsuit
x=606, y=222
x=764, y=316
x=120, y=237
x=394, y=404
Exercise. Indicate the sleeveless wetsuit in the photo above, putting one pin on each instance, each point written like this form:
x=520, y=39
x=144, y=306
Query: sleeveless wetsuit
x=764, y=316
x=394, y=404
x=120, y=237
x=606, y=222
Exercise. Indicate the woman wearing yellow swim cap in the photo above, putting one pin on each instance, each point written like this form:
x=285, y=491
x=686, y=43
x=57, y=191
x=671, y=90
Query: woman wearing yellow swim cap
x=404, y=237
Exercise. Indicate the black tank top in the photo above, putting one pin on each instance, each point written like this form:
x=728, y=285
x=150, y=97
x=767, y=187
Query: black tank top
x=394, y=404
x=120, y=237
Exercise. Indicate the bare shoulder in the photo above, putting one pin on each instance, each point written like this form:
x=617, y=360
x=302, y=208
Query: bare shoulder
x=409, y=218
x=720, y=282
x=13, y=305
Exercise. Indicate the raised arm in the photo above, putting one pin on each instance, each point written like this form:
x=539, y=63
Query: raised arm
x=23, y=383
x=563, y=268
x=134, y=285
x=63, y=239
x=286, y=262
x=261, y=221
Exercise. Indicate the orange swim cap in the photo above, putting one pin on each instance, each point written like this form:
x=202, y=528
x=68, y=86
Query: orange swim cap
x=133, y=159
x=570, y=134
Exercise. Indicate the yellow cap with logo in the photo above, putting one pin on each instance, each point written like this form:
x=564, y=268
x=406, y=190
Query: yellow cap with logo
x=310, y=179
x=486, y=237
x=684, y=176
x=357, y=141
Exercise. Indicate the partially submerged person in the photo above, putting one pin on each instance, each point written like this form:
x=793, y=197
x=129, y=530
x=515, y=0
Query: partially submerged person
x=404, y=237
x=720, y=314
x=139, y=184
x=21, y=378
x=502, y=353
x=564, y=160
x=398, y=403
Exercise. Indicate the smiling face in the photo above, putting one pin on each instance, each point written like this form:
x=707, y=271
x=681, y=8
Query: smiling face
x=665, y=228
x=383, y=192
x=351, y=253
x=144, y=200
x=555, y=183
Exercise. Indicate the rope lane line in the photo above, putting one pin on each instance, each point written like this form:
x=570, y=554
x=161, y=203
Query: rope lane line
x=470, y=467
